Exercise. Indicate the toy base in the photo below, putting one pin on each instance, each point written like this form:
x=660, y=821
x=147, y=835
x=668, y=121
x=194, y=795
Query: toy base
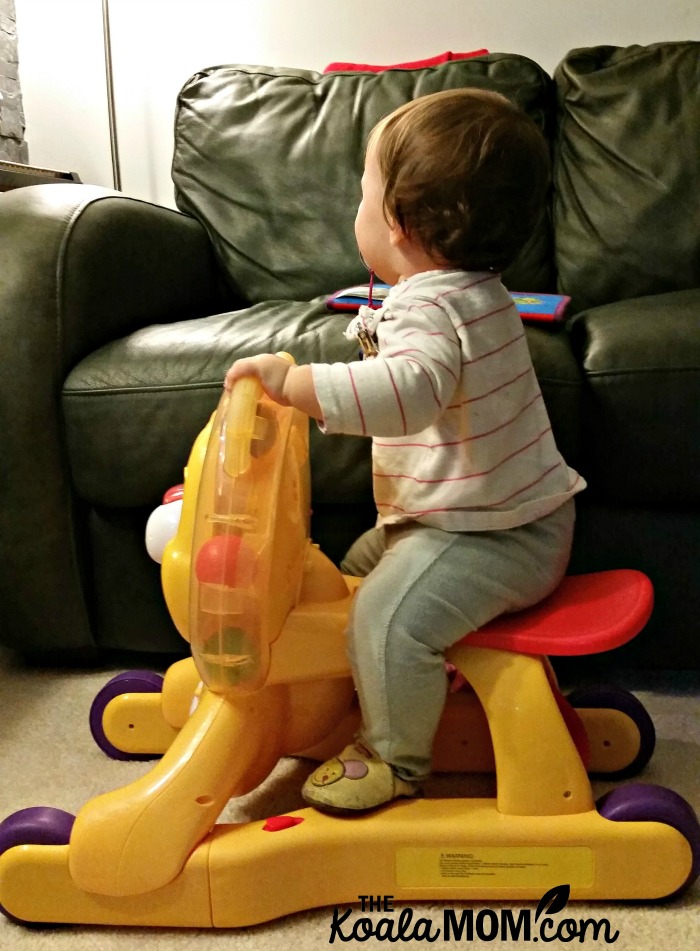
x=243, y=875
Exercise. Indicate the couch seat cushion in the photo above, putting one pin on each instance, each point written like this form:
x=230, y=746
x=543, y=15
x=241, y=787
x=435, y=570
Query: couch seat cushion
x=133, y=408
x=641, y=360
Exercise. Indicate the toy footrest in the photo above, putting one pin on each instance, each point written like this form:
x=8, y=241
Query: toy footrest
x=587, y=614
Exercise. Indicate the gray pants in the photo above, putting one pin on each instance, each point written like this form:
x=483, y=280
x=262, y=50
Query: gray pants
x=424, y=590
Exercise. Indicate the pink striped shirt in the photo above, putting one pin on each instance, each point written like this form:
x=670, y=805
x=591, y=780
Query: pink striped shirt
x=461, y=439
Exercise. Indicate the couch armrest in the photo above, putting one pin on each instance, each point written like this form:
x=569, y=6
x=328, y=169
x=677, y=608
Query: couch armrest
x=79, y=266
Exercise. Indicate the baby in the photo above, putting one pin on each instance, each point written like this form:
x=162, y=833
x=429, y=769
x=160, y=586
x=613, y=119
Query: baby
x=475, y=503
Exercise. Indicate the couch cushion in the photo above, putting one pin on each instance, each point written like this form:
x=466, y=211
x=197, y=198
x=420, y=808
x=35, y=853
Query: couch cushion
x=641, y=360
x=133, y=408
x=627, y=175
x=270, y=161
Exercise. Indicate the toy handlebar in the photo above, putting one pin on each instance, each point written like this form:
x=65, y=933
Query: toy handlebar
x=241, y=422
x=249, y=535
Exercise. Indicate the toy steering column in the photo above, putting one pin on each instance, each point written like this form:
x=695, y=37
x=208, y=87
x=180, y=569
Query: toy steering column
x=240, y=559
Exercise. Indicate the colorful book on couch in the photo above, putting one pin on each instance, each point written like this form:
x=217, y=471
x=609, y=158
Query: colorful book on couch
x=532, y=306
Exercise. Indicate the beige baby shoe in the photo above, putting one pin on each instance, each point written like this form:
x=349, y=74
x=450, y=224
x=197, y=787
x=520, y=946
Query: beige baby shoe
x=355, y=780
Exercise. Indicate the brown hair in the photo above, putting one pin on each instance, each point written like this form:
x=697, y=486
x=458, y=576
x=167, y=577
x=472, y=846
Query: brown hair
x=465, y=175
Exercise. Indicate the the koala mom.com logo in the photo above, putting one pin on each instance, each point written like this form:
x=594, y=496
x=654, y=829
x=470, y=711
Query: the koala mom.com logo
x=540, y=924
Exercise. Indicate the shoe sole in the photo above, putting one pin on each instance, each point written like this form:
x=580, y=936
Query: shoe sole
x=348, y=811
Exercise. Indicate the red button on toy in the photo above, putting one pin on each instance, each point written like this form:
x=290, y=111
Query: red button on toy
x=278, y=823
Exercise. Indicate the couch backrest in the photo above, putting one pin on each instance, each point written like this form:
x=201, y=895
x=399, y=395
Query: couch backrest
x=270, y=161
x=627, y=172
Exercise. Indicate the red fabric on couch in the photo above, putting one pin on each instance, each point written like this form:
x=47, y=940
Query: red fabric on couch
x=417, y=64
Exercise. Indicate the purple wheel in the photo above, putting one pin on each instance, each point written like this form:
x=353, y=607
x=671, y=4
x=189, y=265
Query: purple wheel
x=131, y=681
x=39, y=825
x=616, y=698
x=647, y=803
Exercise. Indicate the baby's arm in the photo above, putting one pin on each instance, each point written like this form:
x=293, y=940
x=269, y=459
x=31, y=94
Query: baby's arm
x=285, y=384
x=405, y=388
x=400, y=392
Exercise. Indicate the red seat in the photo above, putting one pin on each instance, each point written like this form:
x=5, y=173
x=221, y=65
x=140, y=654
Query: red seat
x=587, y=614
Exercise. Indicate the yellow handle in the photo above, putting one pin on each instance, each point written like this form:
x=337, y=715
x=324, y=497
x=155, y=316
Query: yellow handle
x=240, y=421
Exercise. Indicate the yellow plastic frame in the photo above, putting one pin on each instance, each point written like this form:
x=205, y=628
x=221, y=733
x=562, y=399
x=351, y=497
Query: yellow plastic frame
x=151, y=853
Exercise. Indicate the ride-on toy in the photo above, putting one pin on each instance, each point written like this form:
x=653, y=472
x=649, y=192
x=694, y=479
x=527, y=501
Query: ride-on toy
x=265, y=614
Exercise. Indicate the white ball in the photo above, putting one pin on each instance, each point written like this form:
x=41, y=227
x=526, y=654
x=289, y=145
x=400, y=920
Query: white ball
x=161, y=527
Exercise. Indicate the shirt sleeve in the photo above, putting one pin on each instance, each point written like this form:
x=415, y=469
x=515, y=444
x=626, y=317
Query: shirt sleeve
x=405, y=387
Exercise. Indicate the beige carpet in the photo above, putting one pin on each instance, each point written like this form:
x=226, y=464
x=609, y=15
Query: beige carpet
x=47, y=757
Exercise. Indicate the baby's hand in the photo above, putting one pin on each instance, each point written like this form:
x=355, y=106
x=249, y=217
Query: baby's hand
x=270, y=370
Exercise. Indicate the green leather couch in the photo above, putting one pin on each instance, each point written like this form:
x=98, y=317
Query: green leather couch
x=118, y=319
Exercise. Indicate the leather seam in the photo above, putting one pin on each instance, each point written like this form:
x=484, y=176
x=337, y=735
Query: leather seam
x=126, y=391
x=641, y=371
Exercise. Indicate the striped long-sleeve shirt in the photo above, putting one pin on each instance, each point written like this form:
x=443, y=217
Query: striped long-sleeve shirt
x=461, y=439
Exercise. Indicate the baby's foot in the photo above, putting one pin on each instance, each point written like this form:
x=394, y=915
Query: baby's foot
x=355, y=780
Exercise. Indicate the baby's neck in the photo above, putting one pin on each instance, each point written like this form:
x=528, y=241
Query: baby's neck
x=415, y=260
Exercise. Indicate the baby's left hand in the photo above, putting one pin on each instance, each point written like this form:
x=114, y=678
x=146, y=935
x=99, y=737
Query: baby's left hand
x=270, y=370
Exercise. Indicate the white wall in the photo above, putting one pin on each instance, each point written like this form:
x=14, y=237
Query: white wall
x=158, y=44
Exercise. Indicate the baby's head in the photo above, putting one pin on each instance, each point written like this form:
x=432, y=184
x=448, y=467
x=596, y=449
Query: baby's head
x=464, y=173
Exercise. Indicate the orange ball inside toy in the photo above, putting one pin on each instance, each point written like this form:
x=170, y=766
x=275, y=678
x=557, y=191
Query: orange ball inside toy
x=218, y=560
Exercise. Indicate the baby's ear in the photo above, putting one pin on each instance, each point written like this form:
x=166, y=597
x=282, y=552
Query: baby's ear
x=397, y=236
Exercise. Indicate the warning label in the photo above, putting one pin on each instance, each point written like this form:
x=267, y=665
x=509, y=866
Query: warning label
x=499, y=867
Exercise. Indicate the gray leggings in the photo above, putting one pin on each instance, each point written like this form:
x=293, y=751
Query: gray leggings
x=423, y=590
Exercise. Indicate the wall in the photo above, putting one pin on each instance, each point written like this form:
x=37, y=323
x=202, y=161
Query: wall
x=62, y=74
x=13, y=147
x=158, y=44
